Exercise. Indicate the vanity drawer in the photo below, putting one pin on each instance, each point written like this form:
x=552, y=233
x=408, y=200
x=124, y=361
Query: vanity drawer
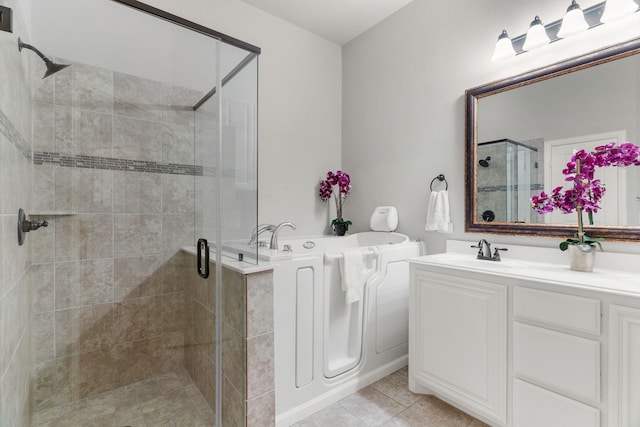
x=556, y=309
x=558, y=361
x=535, y=407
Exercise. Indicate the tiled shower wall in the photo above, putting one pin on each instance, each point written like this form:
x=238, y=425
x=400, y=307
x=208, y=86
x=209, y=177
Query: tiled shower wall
x=15, y=192
x=114, y=174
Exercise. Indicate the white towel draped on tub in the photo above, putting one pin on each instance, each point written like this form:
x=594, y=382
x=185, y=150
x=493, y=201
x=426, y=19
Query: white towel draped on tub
x=438, y=211
x=354, y=274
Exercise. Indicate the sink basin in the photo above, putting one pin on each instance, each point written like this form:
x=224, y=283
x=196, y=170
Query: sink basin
x=470, y=261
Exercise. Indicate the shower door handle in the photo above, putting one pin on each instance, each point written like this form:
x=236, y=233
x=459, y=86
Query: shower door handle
x=203, y=245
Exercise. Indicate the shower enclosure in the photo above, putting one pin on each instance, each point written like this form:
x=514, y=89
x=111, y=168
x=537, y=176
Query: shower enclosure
x=145, y=144
x=508, y=175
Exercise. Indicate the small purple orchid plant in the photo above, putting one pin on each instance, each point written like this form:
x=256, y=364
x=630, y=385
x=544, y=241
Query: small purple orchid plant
x=586, y=193
x=343, y=182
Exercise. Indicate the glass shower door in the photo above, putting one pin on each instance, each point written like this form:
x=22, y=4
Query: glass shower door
x=225, y=215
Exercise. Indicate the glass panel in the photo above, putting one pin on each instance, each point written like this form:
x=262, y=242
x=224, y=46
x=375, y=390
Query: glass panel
x=239, y=196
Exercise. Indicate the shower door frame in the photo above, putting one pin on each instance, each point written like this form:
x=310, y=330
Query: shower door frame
x=159, y=13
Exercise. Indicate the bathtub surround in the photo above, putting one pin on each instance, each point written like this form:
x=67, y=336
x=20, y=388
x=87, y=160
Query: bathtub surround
x=15, y=193
x=113, y=157
x=248, y=390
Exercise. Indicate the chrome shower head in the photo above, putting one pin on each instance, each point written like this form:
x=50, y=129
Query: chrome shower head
x=484, y=162
x=52, y=67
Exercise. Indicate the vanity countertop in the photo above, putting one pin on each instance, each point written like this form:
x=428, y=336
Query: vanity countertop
x=614, y=273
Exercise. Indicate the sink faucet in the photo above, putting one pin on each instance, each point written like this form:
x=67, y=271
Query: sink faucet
x=259, y=230
x=484, y=251
x=274, y=236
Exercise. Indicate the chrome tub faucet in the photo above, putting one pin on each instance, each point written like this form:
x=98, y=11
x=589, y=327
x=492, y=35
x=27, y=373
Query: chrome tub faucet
x=259, y=230
x=274, y=236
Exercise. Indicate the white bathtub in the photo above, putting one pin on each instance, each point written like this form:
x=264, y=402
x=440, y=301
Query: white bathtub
x=326, y=349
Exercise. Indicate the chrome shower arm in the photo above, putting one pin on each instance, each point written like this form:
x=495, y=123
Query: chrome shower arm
x=23, y=45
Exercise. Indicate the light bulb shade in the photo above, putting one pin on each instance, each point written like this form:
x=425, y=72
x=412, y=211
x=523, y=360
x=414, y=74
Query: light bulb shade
x=504, y=47
x=573, y=22
x=536, y=36
x=615, y=9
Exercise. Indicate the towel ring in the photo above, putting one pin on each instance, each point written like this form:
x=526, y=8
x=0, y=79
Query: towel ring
x=439, y=178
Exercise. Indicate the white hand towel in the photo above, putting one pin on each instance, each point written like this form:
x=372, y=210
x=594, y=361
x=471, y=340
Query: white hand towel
x=438, y=217
x=352, y=270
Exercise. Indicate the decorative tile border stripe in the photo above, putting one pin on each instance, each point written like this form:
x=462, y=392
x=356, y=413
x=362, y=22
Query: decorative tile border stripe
x=11, y=133
x=109, y=163
x=496, y=188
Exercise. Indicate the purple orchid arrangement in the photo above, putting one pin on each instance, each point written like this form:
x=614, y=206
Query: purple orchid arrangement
x=586, y=192
x=326, y=190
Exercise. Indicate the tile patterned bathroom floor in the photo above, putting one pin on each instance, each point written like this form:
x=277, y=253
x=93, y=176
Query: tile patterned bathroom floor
x=389, y=403
x=171, y=400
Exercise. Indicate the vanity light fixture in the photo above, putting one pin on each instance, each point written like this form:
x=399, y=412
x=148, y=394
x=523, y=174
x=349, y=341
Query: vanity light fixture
x=536, y=36
x=616, y=9
x=573, y=22
x=504, y=47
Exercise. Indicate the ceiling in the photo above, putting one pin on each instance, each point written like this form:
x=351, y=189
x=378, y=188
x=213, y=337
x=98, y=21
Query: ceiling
x=337, y=20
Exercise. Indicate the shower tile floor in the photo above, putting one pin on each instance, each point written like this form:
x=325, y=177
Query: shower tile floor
x=174, y=400
x=171, y=400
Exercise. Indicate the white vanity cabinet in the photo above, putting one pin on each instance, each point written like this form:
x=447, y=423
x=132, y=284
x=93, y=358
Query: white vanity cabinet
x=539, y=346
x=624, y=365
x=458, y=341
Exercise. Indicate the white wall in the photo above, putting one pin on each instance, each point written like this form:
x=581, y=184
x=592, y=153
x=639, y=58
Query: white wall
x=300, y=86
x=403, y=101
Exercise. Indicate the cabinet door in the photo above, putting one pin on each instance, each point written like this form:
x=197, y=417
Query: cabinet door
x=458, y=343
x=536, y=407
x=624, y=366
x=561, y=362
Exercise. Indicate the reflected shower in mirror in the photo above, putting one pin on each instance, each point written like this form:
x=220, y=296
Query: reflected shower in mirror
x=529, y=125
x=509, y=176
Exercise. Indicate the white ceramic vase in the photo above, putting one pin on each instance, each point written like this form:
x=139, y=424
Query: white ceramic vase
x=582, y=260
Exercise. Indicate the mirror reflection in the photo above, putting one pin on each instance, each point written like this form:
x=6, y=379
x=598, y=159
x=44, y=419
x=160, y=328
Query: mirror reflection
x=526, y=135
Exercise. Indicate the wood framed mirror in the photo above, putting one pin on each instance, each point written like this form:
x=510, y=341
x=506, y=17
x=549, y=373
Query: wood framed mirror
x=521, y=132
